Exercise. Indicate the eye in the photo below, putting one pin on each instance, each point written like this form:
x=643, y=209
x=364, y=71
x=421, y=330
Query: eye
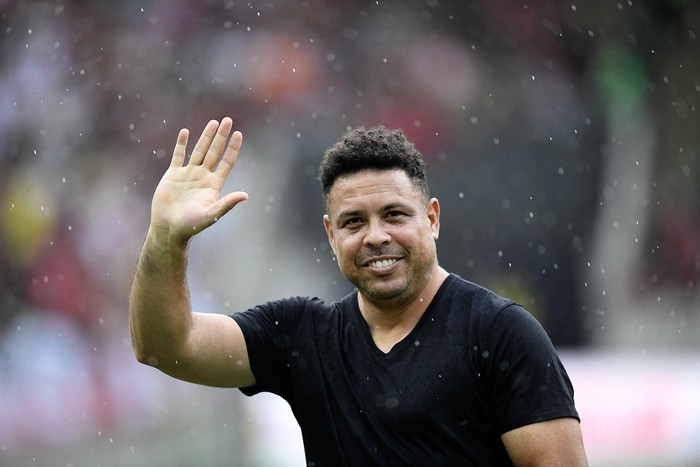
x=353, y=221
x=395, y=214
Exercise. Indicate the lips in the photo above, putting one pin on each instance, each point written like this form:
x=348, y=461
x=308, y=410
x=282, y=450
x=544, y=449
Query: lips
x=379, y=257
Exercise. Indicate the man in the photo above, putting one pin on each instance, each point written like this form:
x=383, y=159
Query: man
x=415, y=367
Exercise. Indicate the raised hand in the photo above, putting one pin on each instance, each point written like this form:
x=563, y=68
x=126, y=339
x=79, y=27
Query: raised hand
x=187, y=199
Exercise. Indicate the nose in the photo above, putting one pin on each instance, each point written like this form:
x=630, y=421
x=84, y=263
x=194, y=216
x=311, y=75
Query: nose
x=376, y=234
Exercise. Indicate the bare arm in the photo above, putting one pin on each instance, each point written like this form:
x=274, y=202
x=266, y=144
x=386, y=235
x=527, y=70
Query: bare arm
x=553, y=443
x=165, y=333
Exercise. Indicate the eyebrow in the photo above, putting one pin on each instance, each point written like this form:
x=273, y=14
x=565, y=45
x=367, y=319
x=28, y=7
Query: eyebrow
x=360, y=212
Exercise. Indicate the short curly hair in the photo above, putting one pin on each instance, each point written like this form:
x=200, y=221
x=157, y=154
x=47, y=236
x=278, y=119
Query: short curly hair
x=376, y=148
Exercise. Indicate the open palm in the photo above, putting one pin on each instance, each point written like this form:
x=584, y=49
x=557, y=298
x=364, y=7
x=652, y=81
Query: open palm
x=187, y=199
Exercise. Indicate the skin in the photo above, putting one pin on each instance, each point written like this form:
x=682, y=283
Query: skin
x=376, y=216
x=198, y=347
x=372, y=216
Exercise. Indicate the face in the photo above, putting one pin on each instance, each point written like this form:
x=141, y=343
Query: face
x=383, y=234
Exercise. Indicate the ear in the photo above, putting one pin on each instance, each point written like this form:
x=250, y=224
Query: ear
x=434, y=217
x=329, y=231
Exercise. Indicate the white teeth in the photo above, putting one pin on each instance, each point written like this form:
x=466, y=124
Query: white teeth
x=382, y=264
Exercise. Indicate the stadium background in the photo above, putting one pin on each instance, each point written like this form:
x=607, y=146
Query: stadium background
x=561, y=137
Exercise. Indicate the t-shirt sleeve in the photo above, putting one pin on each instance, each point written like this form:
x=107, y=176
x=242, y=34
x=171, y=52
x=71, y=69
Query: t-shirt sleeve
x=526, y=378
x=268, y=331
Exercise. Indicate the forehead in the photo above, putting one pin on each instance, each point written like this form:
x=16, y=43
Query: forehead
x=371, y=186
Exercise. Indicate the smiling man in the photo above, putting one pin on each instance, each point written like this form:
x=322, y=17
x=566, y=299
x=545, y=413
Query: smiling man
x=416, y=366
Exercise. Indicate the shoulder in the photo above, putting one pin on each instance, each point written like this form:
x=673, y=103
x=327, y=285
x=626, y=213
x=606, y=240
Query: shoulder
x=285, y=308
x=493, y=320
x=284, y=313
x=456, y=285
x=483, y=304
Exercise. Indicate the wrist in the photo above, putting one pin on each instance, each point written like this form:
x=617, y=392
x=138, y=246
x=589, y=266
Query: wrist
x=166, y=239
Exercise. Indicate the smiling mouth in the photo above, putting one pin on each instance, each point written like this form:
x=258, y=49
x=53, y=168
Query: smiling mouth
x=381, y=263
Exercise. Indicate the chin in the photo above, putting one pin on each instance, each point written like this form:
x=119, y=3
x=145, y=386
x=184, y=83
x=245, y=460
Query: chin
x=384, y=293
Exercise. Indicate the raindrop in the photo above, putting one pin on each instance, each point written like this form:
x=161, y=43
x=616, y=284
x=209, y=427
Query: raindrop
x=391, y=402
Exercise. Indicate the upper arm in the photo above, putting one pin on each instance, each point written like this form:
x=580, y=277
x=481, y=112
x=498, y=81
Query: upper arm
x=215, y=354
x=556, y=442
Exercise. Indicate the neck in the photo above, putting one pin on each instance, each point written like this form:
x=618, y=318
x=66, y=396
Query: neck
x=391, y=322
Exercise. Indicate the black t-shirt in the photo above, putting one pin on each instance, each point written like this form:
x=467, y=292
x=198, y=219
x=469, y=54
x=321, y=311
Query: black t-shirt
x=475, y=366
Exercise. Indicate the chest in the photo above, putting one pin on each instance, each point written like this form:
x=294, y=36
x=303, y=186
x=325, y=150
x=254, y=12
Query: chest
x=426, y=395
x=427, y=378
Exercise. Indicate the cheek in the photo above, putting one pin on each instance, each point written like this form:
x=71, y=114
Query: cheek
x=422, y=242
x=343, y=248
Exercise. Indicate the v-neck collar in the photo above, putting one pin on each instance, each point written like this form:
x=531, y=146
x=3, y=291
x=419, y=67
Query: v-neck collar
x=410, y=337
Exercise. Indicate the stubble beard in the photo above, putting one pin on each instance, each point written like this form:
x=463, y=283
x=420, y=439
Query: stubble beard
x=415, y=276
x=377, y=294
x=380, y=294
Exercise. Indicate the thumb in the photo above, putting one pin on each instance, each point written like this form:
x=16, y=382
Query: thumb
x=226, y=203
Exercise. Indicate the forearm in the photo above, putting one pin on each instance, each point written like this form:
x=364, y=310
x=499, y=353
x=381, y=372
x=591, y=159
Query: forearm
x=160, y=316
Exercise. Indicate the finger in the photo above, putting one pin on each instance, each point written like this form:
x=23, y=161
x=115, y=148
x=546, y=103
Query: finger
x=180, y=148
x=231, y=155
x=225, y=204
x=203, y=143
x=218, y=144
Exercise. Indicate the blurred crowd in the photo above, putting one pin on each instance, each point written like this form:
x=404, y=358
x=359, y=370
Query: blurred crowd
x=561, y=139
